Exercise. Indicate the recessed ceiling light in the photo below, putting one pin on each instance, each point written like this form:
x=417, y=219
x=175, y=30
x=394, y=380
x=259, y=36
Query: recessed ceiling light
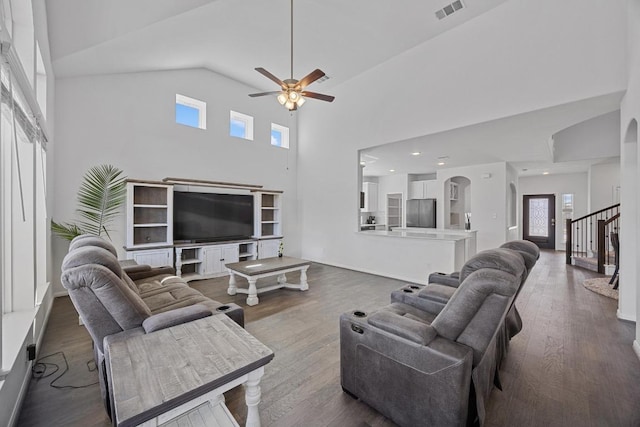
x=363, y=163
x=392, y=170
x=440, y=163
x=416, y=153
x=545, y=173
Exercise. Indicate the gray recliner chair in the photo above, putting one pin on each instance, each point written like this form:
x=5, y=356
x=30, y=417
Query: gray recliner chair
x=109, y=303
x=433, y=369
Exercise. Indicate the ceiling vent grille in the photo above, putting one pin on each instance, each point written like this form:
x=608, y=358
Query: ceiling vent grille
x=449, y=9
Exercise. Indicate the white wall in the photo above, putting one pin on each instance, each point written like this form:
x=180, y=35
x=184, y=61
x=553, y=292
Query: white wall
x=604, y=186
x=468, y=75
x=557, y=184
x=487, y=201
x=592, y=139
x=397, y=183
x=128, y=120
x=629, y=300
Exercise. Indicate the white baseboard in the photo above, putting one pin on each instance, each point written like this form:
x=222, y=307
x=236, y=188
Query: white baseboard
x=621, y=316
x=636, y=348
x=376, y=273
x=13, y=421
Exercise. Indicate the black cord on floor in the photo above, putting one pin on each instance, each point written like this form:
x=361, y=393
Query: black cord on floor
x=39, y=371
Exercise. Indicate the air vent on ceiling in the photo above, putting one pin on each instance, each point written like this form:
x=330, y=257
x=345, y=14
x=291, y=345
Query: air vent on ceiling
x=449, y=9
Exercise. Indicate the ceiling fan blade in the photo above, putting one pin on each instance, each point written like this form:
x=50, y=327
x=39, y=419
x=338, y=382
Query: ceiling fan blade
x=271, y=77
x=319, y=96
x=310, y=78
x=253, y=95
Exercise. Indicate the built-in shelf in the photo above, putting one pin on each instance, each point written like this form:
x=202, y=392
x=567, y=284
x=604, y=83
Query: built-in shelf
x=151, y=206
x=190, y=261
x=152, y=225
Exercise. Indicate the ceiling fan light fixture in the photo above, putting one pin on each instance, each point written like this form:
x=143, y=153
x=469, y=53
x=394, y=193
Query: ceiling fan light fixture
x=292, y=91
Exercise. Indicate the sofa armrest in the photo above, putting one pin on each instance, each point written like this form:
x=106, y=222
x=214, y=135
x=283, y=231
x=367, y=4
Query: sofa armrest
x=404, y=327
x=452, y=279
x=175, y=317
x=150, y=272
x=137, y=268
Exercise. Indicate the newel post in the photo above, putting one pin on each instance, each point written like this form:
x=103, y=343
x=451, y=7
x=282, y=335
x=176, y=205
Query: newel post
x=569, y=244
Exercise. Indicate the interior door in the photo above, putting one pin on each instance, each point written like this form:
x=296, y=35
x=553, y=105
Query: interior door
x=539, y=220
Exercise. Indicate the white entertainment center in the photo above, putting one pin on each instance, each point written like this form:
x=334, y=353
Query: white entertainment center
x=150, y=234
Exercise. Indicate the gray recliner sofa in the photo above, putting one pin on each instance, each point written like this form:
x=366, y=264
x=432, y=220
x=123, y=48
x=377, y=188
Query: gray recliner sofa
x=442, y=286
x=418, y=367
x=109, y=302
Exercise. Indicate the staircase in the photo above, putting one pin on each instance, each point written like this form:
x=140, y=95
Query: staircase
x=588, y=244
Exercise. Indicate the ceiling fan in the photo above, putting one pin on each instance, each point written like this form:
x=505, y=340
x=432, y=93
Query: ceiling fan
x=293, y=94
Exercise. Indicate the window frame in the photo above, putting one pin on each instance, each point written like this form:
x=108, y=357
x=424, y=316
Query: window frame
x=284, y=132
x=199, y=105
x=248, y=124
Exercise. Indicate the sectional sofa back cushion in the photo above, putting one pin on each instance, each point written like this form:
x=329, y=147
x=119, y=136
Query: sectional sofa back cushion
x=528, y=250
x=473, y=314
x=499, y=259
x=105, y=303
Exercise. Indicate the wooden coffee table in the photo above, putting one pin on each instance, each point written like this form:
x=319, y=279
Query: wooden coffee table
x=266, y=267
x=179, y=373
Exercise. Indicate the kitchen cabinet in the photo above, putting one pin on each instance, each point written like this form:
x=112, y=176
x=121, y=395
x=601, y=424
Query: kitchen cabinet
x=370, y=197
x=427, y=189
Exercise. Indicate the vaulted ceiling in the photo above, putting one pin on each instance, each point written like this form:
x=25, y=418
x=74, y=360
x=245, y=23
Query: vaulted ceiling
x=231, y=37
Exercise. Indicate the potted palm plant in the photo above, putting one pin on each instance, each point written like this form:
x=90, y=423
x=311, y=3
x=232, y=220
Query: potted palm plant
x=101, y=194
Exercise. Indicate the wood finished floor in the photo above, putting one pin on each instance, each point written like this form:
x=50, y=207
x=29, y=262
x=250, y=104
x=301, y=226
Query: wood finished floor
x=572, y=364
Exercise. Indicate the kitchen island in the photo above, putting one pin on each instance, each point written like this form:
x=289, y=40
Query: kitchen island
x=425, y=250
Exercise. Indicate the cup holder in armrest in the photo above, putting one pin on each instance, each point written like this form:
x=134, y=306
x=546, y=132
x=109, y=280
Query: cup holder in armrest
x=360, y=314
x=415, y=287
x=223, y=308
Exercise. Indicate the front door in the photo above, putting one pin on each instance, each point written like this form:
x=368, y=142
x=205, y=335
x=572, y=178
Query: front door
x=539, y=220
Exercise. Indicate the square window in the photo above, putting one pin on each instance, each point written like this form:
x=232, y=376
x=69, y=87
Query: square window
x=237, y=128
x=240, y=125
x=279, y=135
x=191, y=112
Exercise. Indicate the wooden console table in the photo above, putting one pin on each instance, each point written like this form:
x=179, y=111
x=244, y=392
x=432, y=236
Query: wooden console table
x=266, y=267
x=182, y=371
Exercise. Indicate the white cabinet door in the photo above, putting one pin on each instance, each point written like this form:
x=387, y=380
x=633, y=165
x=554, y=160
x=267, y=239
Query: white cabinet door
x=214, y=258
x=431, y=189
x=230, y=254
x=211, y=260
x=268, y=248
x=416, y=190
x=154, y=257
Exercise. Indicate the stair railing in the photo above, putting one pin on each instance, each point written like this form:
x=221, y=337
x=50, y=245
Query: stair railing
x=585, y=238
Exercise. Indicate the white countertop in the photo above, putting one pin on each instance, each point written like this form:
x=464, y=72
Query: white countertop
x=433, y=235
x=470, y=233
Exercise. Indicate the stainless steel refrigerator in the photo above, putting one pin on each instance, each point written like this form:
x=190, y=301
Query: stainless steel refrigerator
x=421, y=213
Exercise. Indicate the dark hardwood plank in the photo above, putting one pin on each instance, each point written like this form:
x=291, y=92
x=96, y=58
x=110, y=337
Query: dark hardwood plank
x=572, y=364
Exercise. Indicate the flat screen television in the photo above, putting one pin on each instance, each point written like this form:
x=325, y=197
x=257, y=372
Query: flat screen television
x=211, y=217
